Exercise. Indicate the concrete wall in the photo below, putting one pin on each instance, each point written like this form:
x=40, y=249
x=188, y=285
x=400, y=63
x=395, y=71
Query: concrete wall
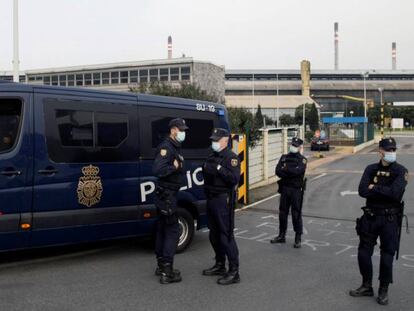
x=264, y=157
x=210, y=78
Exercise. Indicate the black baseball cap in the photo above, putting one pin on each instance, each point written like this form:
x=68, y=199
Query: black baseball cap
x=219, y=133
x=297, y=142
x=178, y=122
x=388, y=144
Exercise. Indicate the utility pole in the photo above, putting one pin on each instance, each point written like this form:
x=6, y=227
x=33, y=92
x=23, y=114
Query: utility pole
x=16, y=61
x=382, y=112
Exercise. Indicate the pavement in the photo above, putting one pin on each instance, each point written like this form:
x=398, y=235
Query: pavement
x=119, y=275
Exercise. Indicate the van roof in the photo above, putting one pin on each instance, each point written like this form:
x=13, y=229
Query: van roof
x=8, y=86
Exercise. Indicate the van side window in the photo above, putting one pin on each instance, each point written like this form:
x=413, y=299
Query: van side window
x=112, y=129
x=75, y=128
x=154, y=125
x=10, y=119
x=197, y=137
x=84, y=131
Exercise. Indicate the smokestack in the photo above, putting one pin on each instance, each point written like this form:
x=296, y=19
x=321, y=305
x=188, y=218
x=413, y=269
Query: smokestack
x=394, y=56
x=305, y=74
x=169, y=47
x=336, y=36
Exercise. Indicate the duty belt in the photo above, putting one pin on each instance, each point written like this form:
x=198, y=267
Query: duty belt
x=382, y=211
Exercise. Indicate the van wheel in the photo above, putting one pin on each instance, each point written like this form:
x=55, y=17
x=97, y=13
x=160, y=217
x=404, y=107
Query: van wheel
x=186, y=225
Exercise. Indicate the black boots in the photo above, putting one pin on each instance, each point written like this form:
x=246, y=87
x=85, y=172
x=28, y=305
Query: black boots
x=364, y=290
x=281, y=238
x=158, y=270
x=230, y=277
x=297, y=241
x=218, y=269
x=382, y=298
x=168, y=275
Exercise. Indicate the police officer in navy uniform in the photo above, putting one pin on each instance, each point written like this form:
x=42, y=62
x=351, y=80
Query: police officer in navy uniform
x=383, y=185
x=169, y=168
x=221, y=176
x=291, y=171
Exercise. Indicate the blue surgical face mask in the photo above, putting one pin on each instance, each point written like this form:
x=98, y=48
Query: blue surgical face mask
x=181, y=136
x=215, y=145
x=390, y=157
x=293, y=149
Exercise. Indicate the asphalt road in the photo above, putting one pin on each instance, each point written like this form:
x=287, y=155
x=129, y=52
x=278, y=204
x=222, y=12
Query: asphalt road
x=119, y=275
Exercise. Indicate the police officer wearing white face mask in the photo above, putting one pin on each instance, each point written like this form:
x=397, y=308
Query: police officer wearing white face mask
x=169, y=168
x=291, y=171
x=221, y=173
x=383, y=185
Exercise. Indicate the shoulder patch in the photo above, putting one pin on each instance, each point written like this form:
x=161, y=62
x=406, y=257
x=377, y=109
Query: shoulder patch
x=163, y=152
x=406, y=176
x=234, y=162
x=304, y=161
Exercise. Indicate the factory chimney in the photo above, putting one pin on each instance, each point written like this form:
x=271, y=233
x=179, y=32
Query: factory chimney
x=305, y=74
x=336, y=37
x=394, y=56
x=169, y=47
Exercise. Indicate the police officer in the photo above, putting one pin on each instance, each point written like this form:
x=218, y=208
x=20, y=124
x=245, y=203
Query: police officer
x=169, y=168
x=383, y=185
x=291, y=171
x=221, y=175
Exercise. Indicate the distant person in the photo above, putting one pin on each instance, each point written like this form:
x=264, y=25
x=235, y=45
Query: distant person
x=291, y=171
x=383, y=185
x=221, y=175
x=6, y=143
x=169, y=168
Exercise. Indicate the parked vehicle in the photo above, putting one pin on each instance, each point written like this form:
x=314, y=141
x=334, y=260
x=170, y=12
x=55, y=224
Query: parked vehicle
x=319, y=143
x=76, y=164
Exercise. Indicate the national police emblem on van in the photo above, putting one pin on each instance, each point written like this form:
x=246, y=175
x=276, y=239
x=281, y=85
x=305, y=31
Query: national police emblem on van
x=89, y=186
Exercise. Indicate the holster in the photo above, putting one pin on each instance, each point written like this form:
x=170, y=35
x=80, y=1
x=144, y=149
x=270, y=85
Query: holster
x=164, y=202
x=358, y=226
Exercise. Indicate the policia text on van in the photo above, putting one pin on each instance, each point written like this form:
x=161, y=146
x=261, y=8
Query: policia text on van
x=76, y=165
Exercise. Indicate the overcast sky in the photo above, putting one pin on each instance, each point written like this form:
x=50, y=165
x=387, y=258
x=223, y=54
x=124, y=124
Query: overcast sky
x=236, y=33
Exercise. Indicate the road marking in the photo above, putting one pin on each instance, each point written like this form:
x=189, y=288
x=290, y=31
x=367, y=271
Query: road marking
x=259, y=202
x=319, y=176
x=348, y=192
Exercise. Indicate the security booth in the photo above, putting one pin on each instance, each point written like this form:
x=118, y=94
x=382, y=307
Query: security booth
x=348, y=131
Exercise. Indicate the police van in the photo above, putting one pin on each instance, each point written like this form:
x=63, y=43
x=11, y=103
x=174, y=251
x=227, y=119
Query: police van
x=76, y=164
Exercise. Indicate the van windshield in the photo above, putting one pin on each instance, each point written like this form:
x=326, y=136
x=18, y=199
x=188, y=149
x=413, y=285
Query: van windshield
x=10, y=118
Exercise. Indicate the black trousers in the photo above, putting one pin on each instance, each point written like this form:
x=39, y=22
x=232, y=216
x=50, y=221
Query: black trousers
x=167, y=228
x=221, y=225
x=372, y=227
x=290, y=197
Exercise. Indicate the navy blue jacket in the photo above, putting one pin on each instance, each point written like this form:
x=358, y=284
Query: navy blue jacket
x=168, y=175
x=291, y=170
x=221, y=172
x=389, y=185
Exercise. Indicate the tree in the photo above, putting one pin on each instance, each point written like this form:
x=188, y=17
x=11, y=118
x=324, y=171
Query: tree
x=184, y=90
x=311, y=116
x=258, y=117
x=286, y=119
x=242, y=121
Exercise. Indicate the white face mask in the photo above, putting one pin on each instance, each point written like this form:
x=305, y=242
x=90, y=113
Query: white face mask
x=215, y=145
x=293, y=149
x=390, y=157
x=180, y=136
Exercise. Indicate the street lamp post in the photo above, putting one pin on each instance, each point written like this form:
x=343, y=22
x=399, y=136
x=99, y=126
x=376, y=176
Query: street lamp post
x=382, y=112
x=15, y=41
x=365, y=76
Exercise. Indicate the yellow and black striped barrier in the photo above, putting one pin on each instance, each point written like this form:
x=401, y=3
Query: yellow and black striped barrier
x=239, y=143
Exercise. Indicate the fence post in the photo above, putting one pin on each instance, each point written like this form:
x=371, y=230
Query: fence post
x=265, y=154
x=285, y=140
